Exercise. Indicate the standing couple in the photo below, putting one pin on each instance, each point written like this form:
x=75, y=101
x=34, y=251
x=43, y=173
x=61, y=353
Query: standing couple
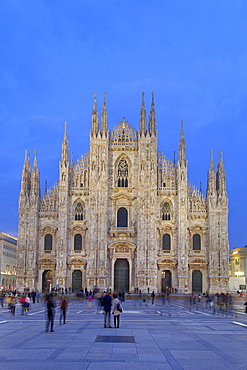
x=114, y=306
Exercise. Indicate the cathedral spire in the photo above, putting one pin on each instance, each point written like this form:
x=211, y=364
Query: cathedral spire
x=65, y=152
x=221, y=176
x=35, y=164
x=26, y=175
x=35, y=185
x=104, y=118
x=152, y=118
x=182, y=148
x=143, y=117
x=95, y=121
x=211, y=189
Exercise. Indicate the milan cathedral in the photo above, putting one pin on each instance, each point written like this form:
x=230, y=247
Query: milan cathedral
x=123, y=217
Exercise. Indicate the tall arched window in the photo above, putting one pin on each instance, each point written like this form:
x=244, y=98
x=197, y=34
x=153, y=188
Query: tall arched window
x=166, y=242
x=122, y=217
x=78, y=242
x=79, y=212
x=122, y=174
x=196, y=242
x=48, y=242
x=166, y=212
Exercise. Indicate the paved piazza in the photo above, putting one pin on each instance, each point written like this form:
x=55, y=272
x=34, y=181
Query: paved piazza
x=163, y=337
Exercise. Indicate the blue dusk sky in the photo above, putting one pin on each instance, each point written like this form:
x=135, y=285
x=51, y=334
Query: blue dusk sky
x=55, y=54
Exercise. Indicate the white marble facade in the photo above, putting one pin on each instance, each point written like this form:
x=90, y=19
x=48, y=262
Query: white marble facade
x=123, y=216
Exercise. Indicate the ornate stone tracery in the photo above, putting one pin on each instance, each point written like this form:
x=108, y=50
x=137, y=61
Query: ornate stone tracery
x=48, y=230
x=123, y=135
x=167, y=263
x=197, y=263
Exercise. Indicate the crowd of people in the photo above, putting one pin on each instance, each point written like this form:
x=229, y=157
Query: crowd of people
x=222, y=300
x=110, y=303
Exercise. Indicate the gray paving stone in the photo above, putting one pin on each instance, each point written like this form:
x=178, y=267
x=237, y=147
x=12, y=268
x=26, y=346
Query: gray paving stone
x=192, y=354
x=186, y=340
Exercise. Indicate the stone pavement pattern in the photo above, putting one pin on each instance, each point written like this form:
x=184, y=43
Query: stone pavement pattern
x=163, y=337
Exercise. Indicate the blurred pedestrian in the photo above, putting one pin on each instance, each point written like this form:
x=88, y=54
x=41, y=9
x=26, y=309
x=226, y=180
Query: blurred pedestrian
x=153, y=297
x=50, y=306
x=12, y=305
x=1, y=298
x=116, y=310
x=107, y=303
x=22, y=302
x=168, y=297
x=33, y=296
x=63, y=307
x=90, y=300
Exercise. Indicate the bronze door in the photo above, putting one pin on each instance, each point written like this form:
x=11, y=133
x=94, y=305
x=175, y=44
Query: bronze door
x=76, y=280
x=121, y=275
x=197, y=281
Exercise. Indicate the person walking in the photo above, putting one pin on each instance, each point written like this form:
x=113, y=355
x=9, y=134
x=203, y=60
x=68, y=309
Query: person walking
x=168, y=297
x=153, y=297
x=63, y=307
x=116, y=310
x=89, y=300
x=1, y=298
x=33, y=296
x=50, y=305
x=107, y=303
x=12, y=305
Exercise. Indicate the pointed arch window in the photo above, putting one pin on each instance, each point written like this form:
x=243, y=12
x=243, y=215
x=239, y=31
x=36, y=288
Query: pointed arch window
x=166, y=242
x=78, y=242
x=122, y=217
x=79, y=212
x=48, y=242
x=122, y=174
x=196, y=242
x=166, y=212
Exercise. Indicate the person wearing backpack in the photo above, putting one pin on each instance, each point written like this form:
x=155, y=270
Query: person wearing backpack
x=116, y=310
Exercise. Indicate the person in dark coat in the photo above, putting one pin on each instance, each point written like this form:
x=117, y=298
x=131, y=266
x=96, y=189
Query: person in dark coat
x=50, y=305
x=107, y=303
x=33, y=295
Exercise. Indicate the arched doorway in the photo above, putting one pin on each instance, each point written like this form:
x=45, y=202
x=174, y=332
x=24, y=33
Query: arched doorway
x=166, y=280
x=76, y=280
x=197, y=281
x=121, y=275
x=47, y=280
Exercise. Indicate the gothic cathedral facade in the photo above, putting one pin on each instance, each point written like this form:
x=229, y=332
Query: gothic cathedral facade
x=123, y=216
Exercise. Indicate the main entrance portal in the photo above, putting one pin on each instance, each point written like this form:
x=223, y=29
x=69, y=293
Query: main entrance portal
x=166, y=281
x=197, y=281
x=76, y=280
x=121, y=275
x=47, y=280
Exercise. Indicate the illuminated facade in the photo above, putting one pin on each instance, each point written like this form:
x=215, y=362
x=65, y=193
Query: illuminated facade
x=8, y=261
x=238, y=266
x=124, y=216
